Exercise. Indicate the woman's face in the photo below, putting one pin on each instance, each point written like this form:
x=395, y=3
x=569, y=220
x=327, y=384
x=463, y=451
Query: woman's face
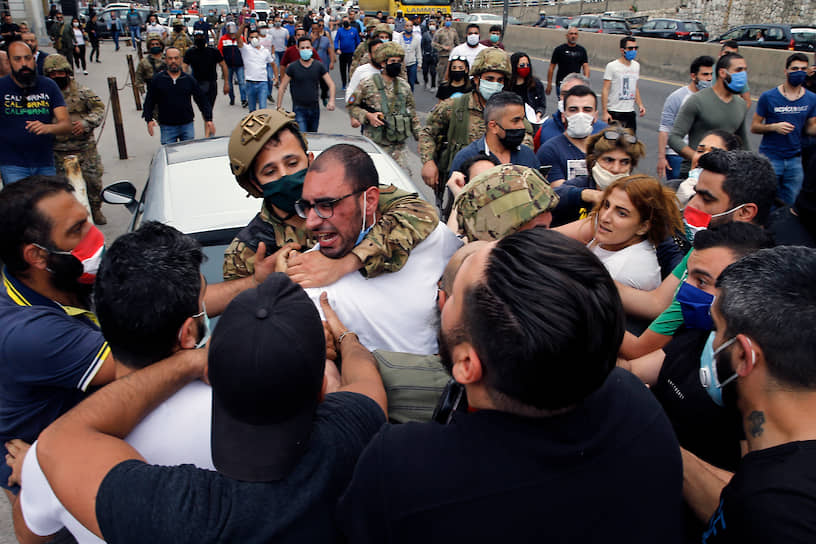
x=619, y=223
x=706, y=144
x=523, y=62
x=616, y=161
x=457, y=65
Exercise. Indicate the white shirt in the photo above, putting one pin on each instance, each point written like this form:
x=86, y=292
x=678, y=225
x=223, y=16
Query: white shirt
x=624, y=85
x=279, y=36
x=266, y=43
x=635, y=266
x=396, y=311
x=157, y=29
x=360, y=73
x=79, y=38
x=176, y=432
x=255, y=61
x=464, y=50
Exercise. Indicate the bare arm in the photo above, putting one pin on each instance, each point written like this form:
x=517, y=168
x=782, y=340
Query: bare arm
x=662, y=141
x=634, y=347
x=647, y=368
x=328, y=80
x=284, y=83
x=702, y=484
x=747, y=97
x=607, y=84
x=585, y=69
x=550, y=72
x=648, y=304
x=581, y=230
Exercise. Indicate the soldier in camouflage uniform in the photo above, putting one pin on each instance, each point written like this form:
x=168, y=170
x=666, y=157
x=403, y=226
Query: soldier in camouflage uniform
x=381, y=31
x=152, y=63
x=362, y=48
x=268, y=156
x=179, y=37
x=384, y=105
x=445, y=39
x=503, y=200
x=87, y=112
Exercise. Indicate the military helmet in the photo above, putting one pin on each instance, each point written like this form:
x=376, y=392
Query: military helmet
x=371, y=23
x=178, y=21
x=388, y=50
x=382, y=27
x=498, y=202
x=249, y=137
x=57, y=63
x=491, y=59
x=153, y=36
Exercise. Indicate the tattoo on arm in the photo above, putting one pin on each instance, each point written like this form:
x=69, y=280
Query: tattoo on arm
x=757, y=419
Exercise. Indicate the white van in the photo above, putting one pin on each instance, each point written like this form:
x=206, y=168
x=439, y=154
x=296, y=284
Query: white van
x=221, y=7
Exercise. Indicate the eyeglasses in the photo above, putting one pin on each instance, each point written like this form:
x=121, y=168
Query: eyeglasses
x=323, y=208
x=617, y=135
x=631, y=48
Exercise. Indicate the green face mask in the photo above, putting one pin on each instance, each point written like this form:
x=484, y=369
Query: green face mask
x=284, y=192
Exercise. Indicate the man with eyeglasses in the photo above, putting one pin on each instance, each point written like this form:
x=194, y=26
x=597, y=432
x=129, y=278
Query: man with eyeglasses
x=393, y=312
x=783, y=114
x=269, y=158
x=620, y=92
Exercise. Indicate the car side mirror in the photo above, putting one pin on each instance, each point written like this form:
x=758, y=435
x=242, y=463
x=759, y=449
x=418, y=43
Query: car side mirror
x=121, y=192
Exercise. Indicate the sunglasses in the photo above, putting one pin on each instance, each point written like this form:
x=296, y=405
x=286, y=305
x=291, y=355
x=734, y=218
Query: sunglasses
x=458, y=57
x=631, y=48
x=617, y=135
x=323, y=208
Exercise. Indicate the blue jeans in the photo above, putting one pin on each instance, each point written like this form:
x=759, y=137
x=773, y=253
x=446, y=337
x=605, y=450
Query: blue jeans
x=307, y=118
x=789, y=175
x=177, y=133
x=238, y=73
x=135, y=34
x=279, y=54
x=675, y=164
x=270, y=76
x=115, y=36
x=12, y=174
x=256, y=94
x=412, y=75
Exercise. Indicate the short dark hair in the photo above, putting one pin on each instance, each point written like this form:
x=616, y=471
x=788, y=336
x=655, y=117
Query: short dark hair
x=21, y=223
x=730, y=44
x=371, y=43
x=724, y=63
x=495, y=28
x=473, y=25
x=580, y=90
x=478, y=157
x=546, y=321
x=358, y=168
x=731, y=140
x=148, y=283
x=700, y=62
x=625, y=40
x=739, y=237
x=752, y=303
x=749, y=178
x=498, y=102
x=305, y=38
x=801, y=57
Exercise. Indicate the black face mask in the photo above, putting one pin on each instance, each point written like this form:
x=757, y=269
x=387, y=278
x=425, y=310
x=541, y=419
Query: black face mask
x=512, y=137
x=62, y=81
x=457, y=75
x=155, y=50
x=201, y=42
x=346, y=24
x=25, y=76
x=65, y=272
x=393, y=70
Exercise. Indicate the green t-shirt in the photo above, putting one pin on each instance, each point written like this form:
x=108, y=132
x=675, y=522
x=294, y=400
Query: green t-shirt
x=670, y=320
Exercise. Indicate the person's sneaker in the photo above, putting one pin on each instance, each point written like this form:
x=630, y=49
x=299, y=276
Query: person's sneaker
x=270, y=99
x=85, y=72
x=244, y=104
x=232, y=101
x=99, y=218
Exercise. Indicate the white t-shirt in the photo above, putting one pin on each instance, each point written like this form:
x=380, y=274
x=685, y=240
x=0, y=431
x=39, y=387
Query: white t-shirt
x=156, y=29
x=176, y=432
x=360, y=73
x=255, y=61
x=624, y=85
x=396, y=311
x=279, y=36
x=635, y=266
x=464, y=50
x=79, y=38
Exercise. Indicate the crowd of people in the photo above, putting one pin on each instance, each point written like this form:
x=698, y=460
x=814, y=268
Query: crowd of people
x=567, y=345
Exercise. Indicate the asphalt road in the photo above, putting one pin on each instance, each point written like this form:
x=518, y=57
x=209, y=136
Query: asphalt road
x=141, y=147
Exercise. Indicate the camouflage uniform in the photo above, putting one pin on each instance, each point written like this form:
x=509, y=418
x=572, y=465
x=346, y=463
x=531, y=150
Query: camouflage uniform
x=359, y=57
x=179, y=40
x=399, y=113
x=146, y=69
x=405, y=220
x=444, y=40
x=498, y=202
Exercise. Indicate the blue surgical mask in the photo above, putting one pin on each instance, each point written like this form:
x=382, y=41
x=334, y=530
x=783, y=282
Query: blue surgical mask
x=630, y=55
x=489, y=88
x=797, y=78
x=306, y=54
x=709, y=376
x=696, y=307
x=447, y=23
x=703, y=84
x=737, y=81
x=363, y=230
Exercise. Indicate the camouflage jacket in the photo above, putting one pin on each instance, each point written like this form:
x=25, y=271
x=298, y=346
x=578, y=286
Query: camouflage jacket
x=368, y=98
x=179, y=40
x=147, y=68
x=83, y=105
x=357, y=58
x=405, y=221
x=444, y=40
x=366, y=58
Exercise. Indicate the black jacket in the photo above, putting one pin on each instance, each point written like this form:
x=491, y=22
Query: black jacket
x=173, y=99
x=535, y=97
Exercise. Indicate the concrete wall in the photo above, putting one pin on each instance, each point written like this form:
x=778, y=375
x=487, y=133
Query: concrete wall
x=530, y=14
x=662, y=59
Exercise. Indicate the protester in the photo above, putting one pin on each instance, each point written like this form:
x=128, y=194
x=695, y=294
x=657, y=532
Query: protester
x=528, y=87
x=324, y=49
x=413, y=52
x=256, y=60
x=39, y=56
x=715, y=139
x=430, y=58
x=548, y=426
x=134, y=24
x=93, y=38
x=553, y=126
x=228, y=47
x=795, y=225
x=783, y=115
x=279, y=37
x=201, y=61
x=495, y=37
x=79, y=38
x=345, y=42
x=669, y=163
x=171, y=91
x=569, y=58
x=471, y=47
x=362, y=72
x=305, y=75
x=444, y=40
x=116, y=28
x=456, y=81
x=620, y=92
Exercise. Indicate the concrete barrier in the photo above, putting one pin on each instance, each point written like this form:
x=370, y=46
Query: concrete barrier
x=660, y=59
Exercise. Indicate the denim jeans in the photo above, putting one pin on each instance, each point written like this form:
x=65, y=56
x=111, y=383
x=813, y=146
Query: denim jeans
x=115, y=36
x=270, y=76
x=135, y=35
x=412, y=75
x=675, y=164
x=237, y=72
x=789, y=175
x=12, y=174
x=307, y=118
x=177, y=133
x=256, y=94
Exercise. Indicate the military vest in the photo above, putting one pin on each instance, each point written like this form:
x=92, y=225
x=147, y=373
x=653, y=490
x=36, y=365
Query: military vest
x=397, y=125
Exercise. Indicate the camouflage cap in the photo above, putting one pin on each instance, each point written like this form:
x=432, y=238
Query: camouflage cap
x=382, y=27
x=178, y=21
x=498, y=202
x=491, y=59
x=56, y=63
x=388, y=50
x=153, y=36
x=371, y=22
x=249, y=137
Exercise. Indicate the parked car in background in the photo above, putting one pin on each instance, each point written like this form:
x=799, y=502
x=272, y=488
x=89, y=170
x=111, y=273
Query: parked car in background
x=673, y=29
x=104, y=18
x=458, y=15
x=772, y=36
x=490, y=19
x=557, y=21
x=601, y=25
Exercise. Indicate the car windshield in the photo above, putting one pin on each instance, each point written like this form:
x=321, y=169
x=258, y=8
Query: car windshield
x=695, y=27
x=804, y=36
x=615, y=25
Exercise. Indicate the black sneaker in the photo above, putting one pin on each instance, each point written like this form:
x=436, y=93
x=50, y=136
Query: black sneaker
x=244, y=104
x=232, y=101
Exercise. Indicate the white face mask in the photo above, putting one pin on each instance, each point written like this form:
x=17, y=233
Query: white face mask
x=255, y=42
x=473, y=40
x=263, y=32
x=561, y=105
x=604, y=178
x=579, y=125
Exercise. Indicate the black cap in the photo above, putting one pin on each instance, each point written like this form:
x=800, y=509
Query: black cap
x=266, y=362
